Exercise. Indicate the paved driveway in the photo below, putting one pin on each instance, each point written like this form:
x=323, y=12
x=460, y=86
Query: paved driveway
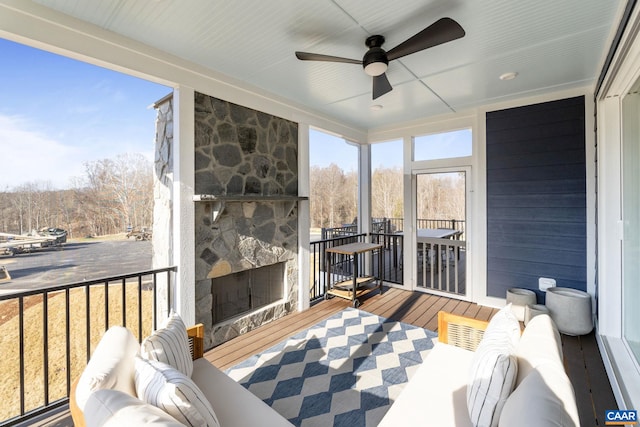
x=75, y=262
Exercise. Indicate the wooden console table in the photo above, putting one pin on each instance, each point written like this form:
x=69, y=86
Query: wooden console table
x=356, y=286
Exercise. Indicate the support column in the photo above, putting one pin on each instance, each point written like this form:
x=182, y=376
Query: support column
x=183, y=206
x=364, y=188
x=304, y=218
x=409, y=213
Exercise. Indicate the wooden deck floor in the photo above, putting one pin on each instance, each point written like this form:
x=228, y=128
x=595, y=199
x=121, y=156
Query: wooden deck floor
x=582, y=357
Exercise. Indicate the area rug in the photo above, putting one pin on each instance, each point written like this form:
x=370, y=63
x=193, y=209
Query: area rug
x=345, y=371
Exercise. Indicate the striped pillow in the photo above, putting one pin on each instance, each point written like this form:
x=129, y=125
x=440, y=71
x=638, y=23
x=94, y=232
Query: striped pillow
x=170, y=390
x=170, y=345
x=493, y=369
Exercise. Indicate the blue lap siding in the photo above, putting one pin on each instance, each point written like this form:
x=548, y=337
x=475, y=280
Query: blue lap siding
x=536, y=196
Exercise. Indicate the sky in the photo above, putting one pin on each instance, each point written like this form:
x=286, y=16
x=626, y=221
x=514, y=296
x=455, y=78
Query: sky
x=326, y=149
x=57, y=113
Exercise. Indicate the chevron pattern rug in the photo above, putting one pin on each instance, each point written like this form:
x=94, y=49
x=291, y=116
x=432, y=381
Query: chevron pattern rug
x=345, y=371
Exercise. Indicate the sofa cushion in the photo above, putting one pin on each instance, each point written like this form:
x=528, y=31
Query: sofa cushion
x=234, y=405
x=170, y=390
x=545, y=398
x=437, y=392
x=113, y=408
x=110, y=365
x=494, y=368
x=170, y=344
x=540, y=342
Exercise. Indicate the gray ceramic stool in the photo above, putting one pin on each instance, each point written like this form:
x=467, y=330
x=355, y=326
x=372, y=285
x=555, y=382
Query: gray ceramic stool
x=519, y=298
x=532, y=310
x=570, y=309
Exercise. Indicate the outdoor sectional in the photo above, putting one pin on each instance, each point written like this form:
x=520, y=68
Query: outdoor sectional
x=438, y=394
x=488, y=371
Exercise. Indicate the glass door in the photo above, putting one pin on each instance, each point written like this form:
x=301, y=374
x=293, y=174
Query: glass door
x=631, y=221
x=440, y=232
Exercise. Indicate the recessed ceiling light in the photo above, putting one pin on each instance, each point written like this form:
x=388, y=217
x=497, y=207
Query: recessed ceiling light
x=508, y=76
x=376, y=107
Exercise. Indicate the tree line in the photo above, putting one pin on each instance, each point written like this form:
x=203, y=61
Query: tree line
x=115, y=193
x=111, y=195
x=334, y=195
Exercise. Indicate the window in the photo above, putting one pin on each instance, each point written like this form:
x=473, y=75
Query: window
x=387, y=209
x=333, y=180
x=444, y=145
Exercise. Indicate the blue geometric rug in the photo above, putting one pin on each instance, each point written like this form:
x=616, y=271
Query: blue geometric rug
x=345, y=371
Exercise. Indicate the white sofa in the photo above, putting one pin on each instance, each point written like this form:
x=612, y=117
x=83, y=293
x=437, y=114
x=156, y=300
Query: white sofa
x=437, y=393
x=105, y=393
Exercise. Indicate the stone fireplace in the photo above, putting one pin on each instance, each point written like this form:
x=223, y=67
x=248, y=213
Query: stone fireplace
x=246, y=218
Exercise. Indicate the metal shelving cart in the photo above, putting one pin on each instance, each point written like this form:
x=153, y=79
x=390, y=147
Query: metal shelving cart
x=350, y=284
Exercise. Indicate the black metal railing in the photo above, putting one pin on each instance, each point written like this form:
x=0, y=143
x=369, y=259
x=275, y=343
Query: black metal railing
x=386, y=231
x=378, y=225
x=318, y=260
x=393, y=252
x=48, y=334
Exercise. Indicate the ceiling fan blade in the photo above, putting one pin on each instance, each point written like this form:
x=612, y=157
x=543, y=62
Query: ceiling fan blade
x=306, y=56
x=381, y=85
x=442, y=31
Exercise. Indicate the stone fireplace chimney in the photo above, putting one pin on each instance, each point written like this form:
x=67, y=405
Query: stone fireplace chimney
x=246, y=218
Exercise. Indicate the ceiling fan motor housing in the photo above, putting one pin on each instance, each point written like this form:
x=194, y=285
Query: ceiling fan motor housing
x=375, y=61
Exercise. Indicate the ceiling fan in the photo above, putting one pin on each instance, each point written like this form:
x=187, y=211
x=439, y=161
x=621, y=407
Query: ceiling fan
x=376, y=60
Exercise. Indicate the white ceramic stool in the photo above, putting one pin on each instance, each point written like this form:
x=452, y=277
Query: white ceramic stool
x=519, y=298
x=570, y=309
x=532, y=310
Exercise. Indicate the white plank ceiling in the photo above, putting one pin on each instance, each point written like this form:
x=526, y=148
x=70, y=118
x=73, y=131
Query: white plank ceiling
x=551, y=44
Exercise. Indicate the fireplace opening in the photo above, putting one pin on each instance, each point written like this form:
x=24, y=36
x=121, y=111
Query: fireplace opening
x=246, y=291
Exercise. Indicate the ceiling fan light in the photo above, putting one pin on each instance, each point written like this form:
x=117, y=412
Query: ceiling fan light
x=375, y=68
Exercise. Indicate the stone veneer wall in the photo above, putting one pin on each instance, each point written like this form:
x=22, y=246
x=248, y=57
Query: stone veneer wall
x=239, y=151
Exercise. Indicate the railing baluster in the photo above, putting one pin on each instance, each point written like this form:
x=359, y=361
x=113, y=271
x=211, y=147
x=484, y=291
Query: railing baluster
x=140, y=309
x=21, y=345
x=106, y=305
x=155, y=302
x=67, y=308
x=124, y=302
x=168, y=292
x=87, y=302
x=45, y=342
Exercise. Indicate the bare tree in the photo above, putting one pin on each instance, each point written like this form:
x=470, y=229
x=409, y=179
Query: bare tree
x=333, y=196
x=386, y=193
x=118, y=192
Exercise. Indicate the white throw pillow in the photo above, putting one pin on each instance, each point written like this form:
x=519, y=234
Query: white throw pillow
x=110, y=366
x=540, y=343
x=544, y=398
x=170, y=390
x=493, y=369
x=170, y=345
x=113, y=408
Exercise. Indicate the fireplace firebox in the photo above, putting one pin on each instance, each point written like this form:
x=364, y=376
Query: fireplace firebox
x=245, y=291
